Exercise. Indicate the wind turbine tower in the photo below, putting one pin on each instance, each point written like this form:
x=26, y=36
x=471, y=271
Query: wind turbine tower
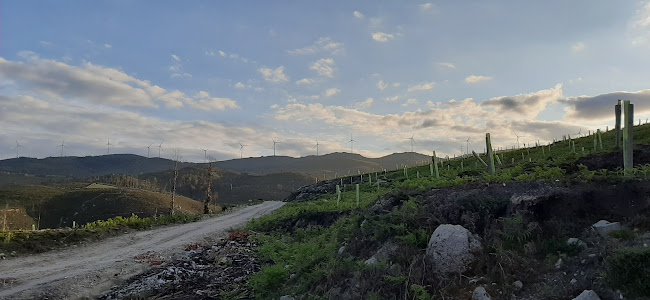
x=18, y=146
x=274, y=142
x=412, y=141
x=467, y=148
x=241, y=150
x=108, y=147
x=205, y=155
x=62, y=146
x=518, y=136
x=351, y=141
x=316, y=146
x=149, y=150
x=160, y=148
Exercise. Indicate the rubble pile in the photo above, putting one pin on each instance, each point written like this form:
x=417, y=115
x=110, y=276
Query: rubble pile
x=203, y=272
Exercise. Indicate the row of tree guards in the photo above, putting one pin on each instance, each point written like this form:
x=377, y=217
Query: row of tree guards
x=624, y=139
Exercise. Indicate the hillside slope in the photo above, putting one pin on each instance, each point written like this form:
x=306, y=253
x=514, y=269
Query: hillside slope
x=58, y=206
x=79, y=167
x=230, y=187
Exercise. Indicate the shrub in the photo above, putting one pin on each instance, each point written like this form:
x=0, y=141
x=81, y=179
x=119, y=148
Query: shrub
x=628, y=269
x=623, y=234
x=269, y=279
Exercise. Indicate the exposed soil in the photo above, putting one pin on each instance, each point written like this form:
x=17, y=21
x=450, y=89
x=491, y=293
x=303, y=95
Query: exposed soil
x=614, y=160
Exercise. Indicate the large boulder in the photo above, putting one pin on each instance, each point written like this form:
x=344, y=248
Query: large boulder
x=587, y=295
x=480, y=294
x=604, y=227
x=452, y=248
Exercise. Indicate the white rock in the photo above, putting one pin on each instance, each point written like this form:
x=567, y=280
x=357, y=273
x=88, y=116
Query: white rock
x=558, y=263
x=451, y=248
x=576, y=241
x=587, y=295
x=574, y=281
x=604, y=227
x=341, y=249
x=287, y=297
x=518, y=285
x=480, y=294
x=371, y=261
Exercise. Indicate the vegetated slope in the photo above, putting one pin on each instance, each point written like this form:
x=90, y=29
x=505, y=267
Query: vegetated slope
x=127, y=164
x=328, y=165
x=58, y=206
x=230, y=187
x=533, y=219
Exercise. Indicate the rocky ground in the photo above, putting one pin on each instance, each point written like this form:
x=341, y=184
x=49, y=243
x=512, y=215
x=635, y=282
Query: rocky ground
x=202, y=272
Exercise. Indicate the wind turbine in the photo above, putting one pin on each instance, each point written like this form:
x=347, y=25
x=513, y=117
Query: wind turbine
x=205, y=155
x=517, y=138
x=467, y=148
x=62, y=146
x=274, y=142
x=316, y=146
x=108, y=147
x=160, y=147
x=149, y=149
x=412, y=141
x=579, y=132
x=351, y=141
x=17, y=147
x=241, y=149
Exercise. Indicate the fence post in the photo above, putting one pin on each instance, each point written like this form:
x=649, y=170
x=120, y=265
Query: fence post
x=617, y=113
x=490, y=154
x=628, y=137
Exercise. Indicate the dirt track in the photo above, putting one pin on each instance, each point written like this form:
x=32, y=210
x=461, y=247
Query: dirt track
x=89, y=270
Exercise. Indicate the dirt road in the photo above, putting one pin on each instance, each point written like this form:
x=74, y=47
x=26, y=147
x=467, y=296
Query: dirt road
x=91, y=269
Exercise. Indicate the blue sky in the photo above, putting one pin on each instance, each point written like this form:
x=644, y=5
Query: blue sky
x=208, y=74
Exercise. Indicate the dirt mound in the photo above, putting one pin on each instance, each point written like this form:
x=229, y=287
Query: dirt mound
x=614, y=160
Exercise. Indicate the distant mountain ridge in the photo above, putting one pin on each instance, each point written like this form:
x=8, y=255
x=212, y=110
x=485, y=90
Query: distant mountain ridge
x=129, y=164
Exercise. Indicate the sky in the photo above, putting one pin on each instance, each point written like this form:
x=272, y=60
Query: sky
x=202, y=77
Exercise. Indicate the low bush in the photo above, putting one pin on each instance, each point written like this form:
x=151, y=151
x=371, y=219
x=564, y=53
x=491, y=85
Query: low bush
x=628, y=269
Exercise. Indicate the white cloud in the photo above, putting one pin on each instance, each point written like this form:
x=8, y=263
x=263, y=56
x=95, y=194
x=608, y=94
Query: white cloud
x=578, y=47
x=46, y=43
x=108, y=46
x=239, y=85
x=391, y=99
x=357, y=15
x=382, y=37
x=396, y=84
x=421, y=87
x=639, y=27
x=223, y=54
x=175, y=57
x=446, y=65
x=381, y=85
x=365, y=104
x=411, y=101
x=425, y=6
x=305, y=81
x=181, y=75
x=477, y=78
x=96, y=85
x=203, y=101
x=525, y=106
x=324, y=67
x=274, y=75
x=323, y=44
x=332, y=92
